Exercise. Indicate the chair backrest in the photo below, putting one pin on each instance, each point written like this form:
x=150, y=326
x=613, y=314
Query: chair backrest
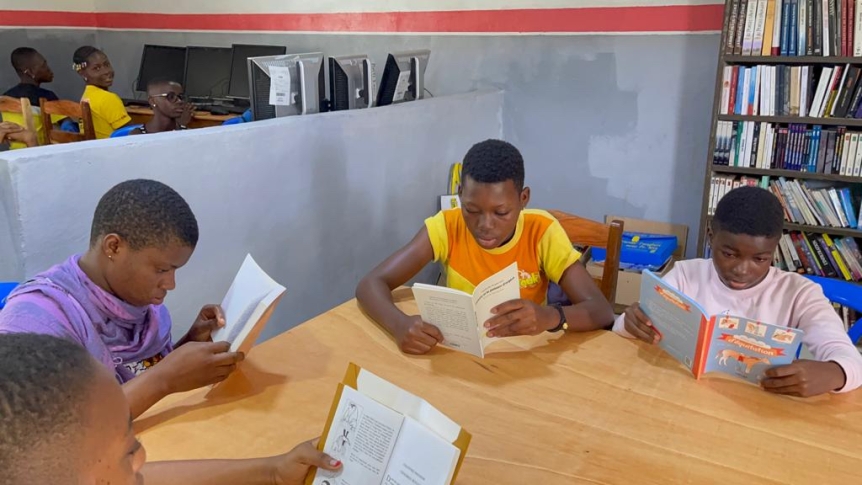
x=587, y=232
x=5, y=289
x=124, y=131
x=70, y=109
x=19, y=106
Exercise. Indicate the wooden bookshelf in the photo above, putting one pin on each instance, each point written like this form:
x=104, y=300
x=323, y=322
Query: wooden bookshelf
x=815, y=64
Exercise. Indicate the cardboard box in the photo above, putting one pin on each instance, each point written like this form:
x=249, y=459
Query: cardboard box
x=629, y=283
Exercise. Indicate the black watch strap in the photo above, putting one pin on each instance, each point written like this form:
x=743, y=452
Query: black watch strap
x=563, y=325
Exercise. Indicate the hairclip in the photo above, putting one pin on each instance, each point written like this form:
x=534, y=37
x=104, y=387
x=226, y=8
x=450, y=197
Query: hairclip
x=78, y=67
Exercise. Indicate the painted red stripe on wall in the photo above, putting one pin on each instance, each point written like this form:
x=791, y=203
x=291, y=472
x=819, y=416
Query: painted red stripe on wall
x=668, y=18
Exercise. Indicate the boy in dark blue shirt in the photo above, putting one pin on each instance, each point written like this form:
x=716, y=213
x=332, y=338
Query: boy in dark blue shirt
x=33, y=70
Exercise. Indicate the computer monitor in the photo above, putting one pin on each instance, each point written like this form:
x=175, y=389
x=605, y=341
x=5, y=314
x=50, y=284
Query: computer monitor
x=207, y=72
x=161, y=62
x=403, y=78
x=351, y=82
x=307, y=85
x=239, y=65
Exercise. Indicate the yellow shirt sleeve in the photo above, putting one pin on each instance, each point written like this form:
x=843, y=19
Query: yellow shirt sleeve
x=556, y=253
x=112, y=110
x=436, y=226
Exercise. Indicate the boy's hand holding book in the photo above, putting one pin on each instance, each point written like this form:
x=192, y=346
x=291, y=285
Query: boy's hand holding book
x=639, y=325
x=414, y=336
x=521, y=317
x=804, y=378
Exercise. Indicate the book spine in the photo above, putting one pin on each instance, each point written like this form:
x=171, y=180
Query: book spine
x=732, y=20
x=802, y=30
x=809, y=27
x=759, y=28
x=794, y=30
x=776, y=28
x=824, y=19
x=784, y=45
x=768, y=25
x=833, y=29
x=748, y=34
x=740, y=27
x=818, y=28
x=857, y=31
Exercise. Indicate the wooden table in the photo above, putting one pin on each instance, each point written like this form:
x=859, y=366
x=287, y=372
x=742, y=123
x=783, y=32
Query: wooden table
x=586, y=408
x=201, y=119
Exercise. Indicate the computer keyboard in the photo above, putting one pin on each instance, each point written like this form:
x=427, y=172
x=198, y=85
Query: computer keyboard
x=135, y=102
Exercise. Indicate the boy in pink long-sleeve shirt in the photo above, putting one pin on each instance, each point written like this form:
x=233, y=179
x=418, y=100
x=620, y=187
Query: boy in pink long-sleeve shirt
x=740, y=279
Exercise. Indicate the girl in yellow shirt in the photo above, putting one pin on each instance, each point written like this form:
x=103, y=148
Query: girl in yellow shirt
x=107, y=108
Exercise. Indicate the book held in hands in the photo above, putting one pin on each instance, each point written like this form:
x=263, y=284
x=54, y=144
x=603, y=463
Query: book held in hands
x=724, y=343
x=384, y=435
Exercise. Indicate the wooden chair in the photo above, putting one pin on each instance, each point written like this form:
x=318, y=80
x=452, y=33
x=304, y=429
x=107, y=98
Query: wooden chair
x=68, y=109
x=19, y=106
x=585, y=232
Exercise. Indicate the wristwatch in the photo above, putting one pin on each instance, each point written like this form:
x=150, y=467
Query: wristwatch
x=563, y=325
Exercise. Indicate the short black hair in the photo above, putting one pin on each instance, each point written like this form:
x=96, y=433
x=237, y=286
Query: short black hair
x=83, y=53
x=146, y=214
x=44, y=385
x=21, y=56
x=751, y=211
x=161, y=81
x=494, y=161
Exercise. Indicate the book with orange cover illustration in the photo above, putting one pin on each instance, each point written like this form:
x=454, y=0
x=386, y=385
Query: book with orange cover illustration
x=736, y=346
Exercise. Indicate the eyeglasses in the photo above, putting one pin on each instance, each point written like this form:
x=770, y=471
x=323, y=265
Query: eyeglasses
x=171, y=96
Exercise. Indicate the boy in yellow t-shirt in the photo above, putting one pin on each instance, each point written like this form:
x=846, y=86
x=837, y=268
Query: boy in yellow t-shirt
x=95, y=68
x=490, y=231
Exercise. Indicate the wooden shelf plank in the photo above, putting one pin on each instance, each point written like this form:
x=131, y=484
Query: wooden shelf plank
x=786, y=173
x=850, y=122
x=837, y=231
x=792, y=60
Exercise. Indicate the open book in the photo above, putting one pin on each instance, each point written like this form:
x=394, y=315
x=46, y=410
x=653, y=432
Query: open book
x=247, y=306
x=385, y=435
x=733, y=345
x=461, y=316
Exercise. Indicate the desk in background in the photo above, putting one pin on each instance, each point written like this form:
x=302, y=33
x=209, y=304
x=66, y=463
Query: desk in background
x=201, y=119
x=589, y=408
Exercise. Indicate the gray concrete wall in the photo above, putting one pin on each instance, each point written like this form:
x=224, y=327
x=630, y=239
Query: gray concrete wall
x=316, y=200
x=607, y=124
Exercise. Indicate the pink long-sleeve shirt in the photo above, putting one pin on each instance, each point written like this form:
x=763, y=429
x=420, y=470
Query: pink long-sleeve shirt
x=782, y=298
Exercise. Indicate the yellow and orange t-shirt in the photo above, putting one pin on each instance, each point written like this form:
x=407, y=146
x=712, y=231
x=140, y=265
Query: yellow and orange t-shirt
x=540, y=247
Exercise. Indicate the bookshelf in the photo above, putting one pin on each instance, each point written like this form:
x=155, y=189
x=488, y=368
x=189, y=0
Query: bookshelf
x=780, y=121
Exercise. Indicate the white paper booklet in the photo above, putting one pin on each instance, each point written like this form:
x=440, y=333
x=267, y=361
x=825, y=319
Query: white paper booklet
x=461, y=316
x=247, y=306
x=385, y=435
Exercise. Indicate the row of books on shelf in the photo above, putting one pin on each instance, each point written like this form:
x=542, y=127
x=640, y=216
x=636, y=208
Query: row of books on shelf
x=808, y=203
x=766, y=90
x=820, y=255
x=848, y=315
x=794, y=28
x=799, y=147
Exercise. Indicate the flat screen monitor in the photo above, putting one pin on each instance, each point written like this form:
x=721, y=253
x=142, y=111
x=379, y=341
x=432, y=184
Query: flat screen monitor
x=239, y=65
x=351, y=82
x=307, y=85
x=207, y=72
x=161, y=62
x=403, y=78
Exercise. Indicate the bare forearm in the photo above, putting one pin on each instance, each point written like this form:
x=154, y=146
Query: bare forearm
x=210, y=472
x=589, y=315
x=375, y=297
x=144, y=391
